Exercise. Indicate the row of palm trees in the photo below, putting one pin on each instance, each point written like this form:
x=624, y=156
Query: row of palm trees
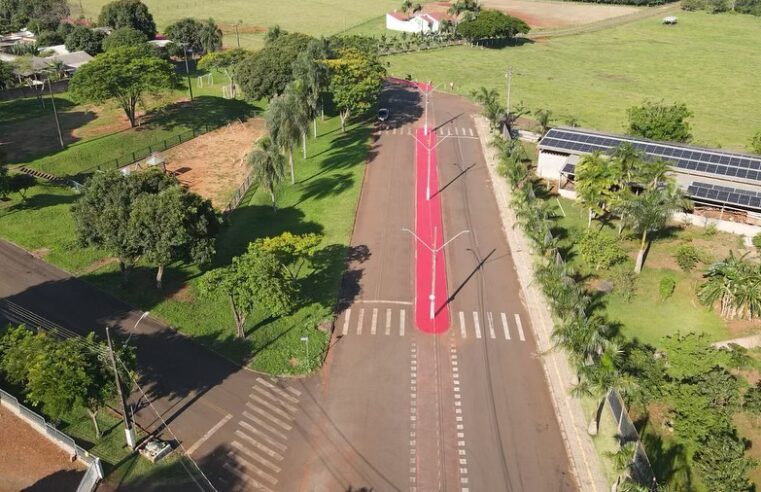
x=288, y=118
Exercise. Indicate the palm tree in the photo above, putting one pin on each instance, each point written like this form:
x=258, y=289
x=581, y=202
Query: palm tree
x=649, y=213
x=469, y=8
x=736, y=284
x=285, y=122
x=210, y=36
x=489, y=100
x=622, y=460
x=544, y=118
x=313, y=76
x=594, y=183
x=268, y=166
x=406, y=6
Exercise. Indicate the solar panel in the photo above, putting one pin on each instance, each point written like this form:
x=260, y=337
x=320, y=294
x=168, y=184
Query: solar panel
x=569, y=169
x=725, y=195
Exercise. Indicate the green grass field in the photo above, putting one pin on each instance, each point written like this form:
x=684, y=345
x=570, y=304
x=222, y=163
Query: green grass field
x=709, y=62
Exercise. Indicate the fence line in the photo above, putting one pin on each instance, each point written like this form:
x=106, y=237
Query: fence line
x=94, y=471
x=240, y=193
x=641, y=470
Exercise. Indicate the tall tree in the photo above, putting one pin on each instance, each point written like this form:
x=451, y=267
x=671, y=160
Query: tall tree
x=124, y=75
x=594, y=184
x=492, y=24
x=660, y=121
x=255, y=279
x=492, y=109
x=128, y=13
x=124, y=36
x=356, y=80
x=723, y=464
x=309, y=68
x=210, y=36
x=85, y=39
x=225, y=62
x=285, y=122
x=186, y=32
x=268, y=166
x=268, y=71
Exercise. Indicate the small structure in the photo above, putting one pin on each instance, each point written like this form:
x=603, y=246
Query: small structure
x=8, y=41
x=420, y=22
x=156, y=449
x=670, y=20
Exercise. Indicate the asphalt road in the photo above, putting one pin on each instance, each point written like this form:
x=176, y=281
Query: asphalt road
x=393, y=408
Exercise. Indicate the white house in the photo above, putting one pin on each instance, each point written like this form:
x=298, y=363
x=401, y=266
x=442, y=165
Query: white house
x=420, y=22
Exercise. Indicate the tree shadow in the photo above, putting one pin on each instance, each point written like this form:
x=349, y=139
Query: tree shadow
x=326, y=186
x=499, y=43
x=346, y=151
x=204, y=110
x=19, y=146
x=57, y=481
x=668, y=461
x=38, y=202
x=404, y=103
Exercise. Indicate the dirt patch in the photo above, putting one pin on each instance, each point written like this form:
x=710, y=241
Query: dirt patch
x=545, y=15
x=97, y=265
x=183, y=294
x=214, y=165
x=743, y=327
x=29, y=461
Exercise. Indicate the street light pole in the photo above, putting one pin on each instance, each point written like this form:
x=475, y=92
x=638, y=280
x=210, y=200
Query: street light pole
x=129, y=431
x=306, y=342
x=237, y=36
x=55, y=113
x=187, y=70
x=509, y=77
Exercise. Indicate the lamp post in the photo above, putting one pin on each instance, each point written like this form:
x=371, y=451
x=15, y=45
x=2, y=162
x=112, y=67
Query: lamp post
x=434, y=251
x=429, y=148
x=306, y=343
x=509, y=77
x=129, y=431
x=134, y=327
x=427, y=144
x=55, y=113
x=187, y=69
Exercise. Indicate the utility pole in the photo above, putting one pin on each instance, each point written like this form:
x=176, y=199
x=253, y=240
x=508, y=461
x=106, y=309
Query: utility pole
x=509, y=77
x=187, y=70
x=237, y=36
x=129, y=431
x=55, y=114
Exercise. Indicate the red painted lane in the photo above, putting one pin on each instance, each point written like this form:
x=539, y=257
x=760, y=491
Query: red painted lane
x=428, y=227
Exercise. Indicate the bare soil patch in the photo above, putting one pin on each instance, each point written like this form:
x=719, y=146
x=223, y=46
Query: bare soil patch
x=543, y=14
x=214, y=165
x=28, y=461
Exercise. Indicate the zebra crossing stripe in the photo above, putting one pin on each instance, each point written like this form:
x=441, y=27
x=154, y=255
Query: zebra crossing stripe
x=478, y=326
x=490, y=318
x=471, y=131
x=347, y=315
x=456, y=131
x=504, y=326
x=388, y=322
x=250, y=466
x=520, y=327
x=402, y=314
x=463, y=333
x=361, y=320
x=374, y=321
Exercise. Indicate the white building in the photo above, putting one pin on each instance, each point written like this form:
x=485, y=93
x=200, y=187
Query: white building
x=419, y=22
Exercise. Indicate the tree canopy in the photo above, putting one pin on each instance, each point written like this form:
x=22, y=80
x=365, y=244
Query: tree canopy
x=128, y=13
x=123, y=37
x=660, y=121
x=268, y=71
x=124, y=75
x=85, y=39
x=35, y=15
x=492, y=24
x=356, y=80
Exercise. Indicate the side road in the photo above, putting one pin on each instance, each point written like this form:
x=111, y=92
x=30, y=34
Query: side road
x=585, y=462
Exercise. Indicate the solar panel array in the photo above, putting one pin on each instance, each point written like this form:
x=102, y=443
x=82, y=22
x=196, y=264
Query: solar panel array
x=569, y=169
x=723, y=164
x=725, y=194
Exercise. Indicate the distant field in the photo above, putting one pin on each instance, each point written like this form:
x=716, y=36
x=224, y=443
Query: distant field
x=308, y=16
x=544, y=14
x=710, y=62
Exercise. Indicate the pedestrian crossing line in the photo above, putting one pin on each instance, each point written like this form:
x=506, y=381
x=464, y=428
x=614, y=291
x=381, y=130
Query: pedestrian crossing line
x=250, y=467
x=271, y=407
x=261, y=447
x=265, y=425
x=347, y=315
x=242, y=476
x=388, y=322
x=243, y=449
x=275, y=420
x=294, y=391
x=463, y=333
x=490, y=318
x=402, y=315
x=471, y=131
x=360, y=321
x=520, y=327
x=374, y=322
x=504, y=326
x=271, y=442
x=463, y=131
x=285, y=405
x=279, y=391
x=478, y=326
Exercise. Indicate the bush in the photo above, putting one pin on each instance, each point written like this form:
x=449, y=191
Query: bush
x=752, y=7
x=600, y=251
x=687, y=256
x=755, y=142
x=625, y=281
x=49, y=38
x=85, y=39
x=660, y=121
x=693, y=5
x=666, y=287
x=710, y=230
x=124, y=36
x=757, y=241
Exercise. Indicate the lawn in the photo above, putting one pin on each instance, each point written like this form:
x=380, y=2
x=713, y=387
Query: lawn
x=314, y=17
x=707, y=61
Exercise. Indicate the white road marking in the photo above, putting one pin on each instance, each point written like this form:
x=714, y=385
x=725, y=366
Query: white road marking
x=463, y=333
x=271, y=407
x=402, y=314
x=265, y=425
x=378, y=301
x=388, y=322
x=504, y=326
x=253, y=468
x=456, y=131
x=520, y=327
x=261, y=447
x=245, y=477
x=463, y=131
x=279, y=391
x=478, y=326
x=275, y=420
x=282, y=447
x=264, y=392
x=490, y=318
x=347, y=315
x=294, y=391
x=360, y=321
x=374, y=322
x=208, y=434
x=256, y=457
x=471, y=131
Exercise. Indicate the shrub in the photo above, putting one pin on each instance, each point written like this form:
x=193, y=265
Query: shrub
x=710, y=230
x=755, y=142
x=693, y=5
x=600, y=251
x=757, y=241
x=625, y=281
x=666, y=287
x=687, y=256
x=660, y=121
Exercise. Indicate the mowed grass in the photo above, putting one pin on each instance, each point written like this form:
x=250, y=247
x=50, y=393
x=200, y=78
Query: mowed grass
x=709, y=62
x=314, y=17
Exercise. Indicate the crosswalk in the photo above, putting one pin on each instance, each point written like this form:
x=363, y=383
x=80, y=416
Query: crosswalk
x=445, y=131
x=384, y=322
x=261, y=435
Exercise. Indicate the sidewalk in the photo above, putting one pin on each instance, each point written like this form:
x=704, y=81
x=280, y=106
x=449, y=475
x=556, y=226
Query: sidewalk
x=585, y=462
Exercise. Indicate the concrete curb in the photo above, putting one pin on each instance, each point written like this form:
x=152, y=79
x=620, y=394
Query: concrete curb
x=585, y=462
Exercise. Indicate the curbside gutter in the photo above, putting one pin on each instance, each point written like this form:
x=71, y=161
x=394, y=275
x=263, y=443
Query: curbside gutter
x=582, y=455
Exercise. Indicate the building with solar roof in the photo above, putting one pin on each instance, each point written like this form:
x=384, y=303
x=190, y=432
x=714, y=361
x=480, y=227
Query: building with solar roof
x=714, y=179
